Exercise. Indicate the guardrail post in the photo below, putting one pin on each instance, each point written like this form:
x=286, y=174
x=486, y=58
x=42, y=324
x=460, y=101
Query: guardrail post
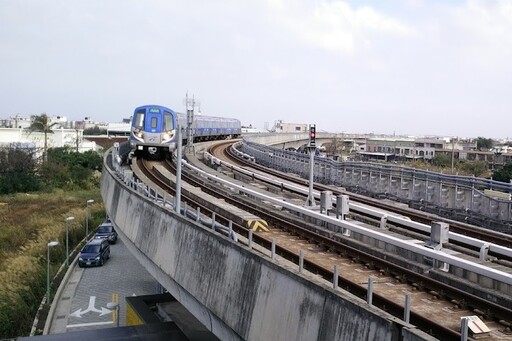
x=301, y=261
x=335, y=277
x=198, y=217
x=250, y=239
x=369, y=293
x=213, y=220
x=484, y=250
x=383, y=221
x=273, y=249
x=407, y=307
x=185, y=207
x=230, y=226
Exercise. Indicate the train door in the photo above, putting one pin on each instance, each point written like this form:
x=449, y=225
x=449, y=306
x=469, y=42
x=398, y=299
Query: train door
x=153, y=122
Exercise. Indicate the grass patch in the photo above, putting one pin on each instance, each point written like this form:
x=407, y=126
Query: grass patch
x=27, y=223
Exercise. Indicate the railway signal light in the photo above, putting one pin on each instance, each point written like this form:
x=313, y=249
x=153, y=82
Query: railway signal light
x=312, y=135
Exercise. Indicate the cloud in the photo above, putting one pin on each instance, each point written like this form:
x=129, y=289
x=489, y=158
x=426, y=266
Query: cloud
x=336, y=26
x=484, y=29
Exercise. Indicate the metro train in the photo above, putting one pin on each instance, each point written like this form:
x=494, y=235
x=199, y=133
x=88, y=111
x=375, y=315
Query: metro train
x=153, y=130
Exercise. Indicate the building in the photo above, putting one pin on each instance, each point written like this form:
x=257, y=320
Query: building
x=14, y=132
x=284, y=127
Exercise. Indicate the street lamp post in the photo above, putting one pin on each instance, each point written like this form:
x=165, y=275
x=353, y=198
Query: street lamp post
x=50, y=244
x=68, y=219
x=90, y=201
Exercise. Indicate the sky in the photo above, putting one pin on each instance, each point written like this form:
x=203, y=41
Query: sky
x=404, y=67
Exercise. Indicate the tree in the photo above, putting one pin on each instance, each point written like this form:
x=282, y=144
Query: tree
x=332, y=147
x=17, y=171
x=476, y=168
x=68, y=169
x=95, y=131
x=41, y=123
x=441, y=160
x=503, y=174
x=484, y=144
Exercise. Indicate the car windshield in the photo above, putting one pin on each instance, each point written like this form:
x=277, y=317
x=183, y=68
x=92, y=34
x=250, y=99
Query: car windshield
x=105, y=229
x=91, y=249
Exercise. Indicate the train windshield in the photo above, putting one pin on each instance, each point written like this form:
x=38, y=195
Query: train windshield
x=138, y=120
x=168, y=122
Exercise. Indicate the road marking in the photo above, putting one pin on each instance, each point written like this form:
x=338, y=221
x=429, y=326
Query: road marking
x=88, y=324
x=92, y=299
x=115, y=299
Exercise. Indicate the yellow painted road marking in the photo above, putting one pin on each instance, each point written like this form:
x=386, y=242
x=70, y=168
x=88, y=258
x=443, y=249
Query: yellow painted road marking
x=115, y=299
x=257, y=224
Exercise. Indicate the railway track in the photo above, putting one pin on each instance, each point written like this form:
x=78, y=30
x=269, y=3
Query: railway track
x=442, y=305
x=478, y=232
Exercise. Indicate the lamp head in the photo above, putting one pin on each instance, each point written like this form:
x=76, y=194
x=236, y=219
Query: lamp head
x=112, y=305
x=53, y=243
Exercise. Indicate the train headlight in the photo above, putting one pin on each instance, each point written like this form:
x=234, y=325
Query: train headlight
x=167, y=135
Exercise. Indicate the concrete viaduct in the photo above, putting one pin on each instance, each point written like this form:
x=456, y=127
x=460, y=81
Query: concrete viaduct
x=235, y=292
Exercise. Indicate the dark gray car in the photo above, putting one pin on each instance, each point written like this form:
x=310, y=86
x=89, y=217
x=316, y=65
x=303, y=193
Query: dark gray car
x=95, y=252
x=107, y=231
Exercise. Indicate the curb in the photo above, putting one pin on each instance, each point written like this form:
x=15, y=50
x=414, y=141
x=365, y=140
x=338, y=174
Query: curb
x=63, y=283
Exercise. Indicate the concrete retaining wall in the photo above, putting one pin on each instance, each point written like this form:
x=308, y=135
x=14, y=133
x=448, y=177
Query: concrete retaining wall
x=236, y=293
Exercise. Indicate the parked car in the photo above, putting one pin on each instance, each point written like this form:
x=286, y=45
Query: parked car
x=107, y=231
x=95, y=252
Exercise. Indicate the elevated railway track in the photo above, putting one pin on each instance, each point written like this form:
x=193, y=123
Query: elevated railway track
x=441, y=305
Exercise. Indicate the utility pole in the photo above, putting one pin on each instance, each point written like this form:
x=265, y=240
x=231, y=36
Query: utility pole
x=190, y=104
x=453, y=153
x=312, y=148
x=177, y=204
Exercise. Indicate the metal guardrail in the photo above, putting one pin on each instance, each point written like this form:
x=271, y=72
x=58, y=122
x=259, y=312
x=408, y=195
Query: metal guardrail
x=387, y=169
x=166, y=201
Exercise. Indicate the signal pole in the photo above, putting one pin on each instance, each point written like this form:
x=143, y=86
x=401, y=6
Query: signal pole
x=310, y=202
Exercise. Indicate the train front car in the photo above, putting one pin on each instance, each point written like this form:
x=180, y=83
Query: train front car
x=153, y=132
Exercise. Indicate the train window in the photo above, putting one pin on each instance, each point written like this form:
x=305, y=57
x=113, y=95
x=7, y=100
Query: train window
x=154, y=122
x=168, y=123
x=138, y=120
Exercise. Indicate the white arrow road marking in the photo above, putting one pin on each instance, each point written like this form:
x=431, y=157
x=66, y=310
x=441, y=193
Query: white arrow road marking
x=92, y=299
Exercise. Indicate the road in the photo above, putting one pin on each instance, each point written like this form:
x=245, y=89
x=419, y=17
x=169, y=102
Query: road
x=83, y=302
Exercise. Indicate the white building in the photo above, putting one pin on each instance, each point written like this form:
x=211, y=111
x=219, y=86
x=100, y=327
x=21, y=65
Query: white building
x=58, y=138
x=284, y=127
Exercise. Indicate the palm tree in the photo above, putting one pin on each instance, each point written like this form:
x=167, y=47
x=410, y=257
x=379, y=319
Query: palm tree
x=41, y=123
